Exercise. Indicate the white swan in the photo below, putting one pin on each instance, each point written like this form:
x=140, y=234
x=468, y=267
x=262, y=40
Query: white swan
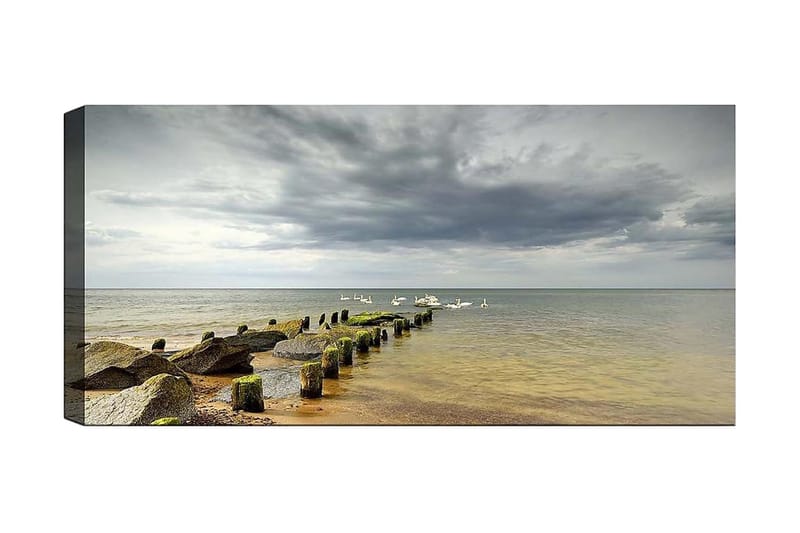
x=484, y=305
x=343, y=297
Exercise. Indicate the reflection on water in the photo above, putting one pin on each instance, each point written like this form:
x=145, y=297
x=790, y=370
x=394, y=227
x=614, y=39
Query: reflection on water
x=551, y=356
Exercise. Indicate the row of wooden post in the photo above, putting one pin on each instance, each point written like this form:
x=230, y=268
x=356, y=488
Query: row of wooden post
x=247, y=392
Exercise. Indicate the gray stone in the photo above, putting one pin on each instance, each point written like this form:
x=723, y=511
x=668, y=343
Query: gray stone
x=113, y=365
x=301, y=348
x=257, y=341
x=277, y=383
x=214, y=356
x=160, y=396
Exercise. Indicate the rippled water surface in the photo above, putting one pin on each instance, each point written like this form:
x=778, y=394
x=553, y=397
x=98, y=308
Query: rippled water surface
x=534, y=356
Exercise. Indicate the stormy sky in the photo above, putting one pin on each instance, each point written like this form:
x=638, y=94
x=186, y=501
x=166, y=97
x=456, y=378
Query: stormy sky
x=496, y=196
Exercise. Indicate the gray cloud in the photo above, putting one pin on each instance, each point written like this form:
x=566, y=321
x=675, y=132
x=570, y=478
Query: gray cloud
x=444, y=177
x=94, y=236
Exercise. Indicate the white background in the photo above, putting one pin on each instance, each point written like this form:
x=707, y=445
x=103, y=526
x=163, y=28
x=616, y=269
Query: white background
x=62, y=55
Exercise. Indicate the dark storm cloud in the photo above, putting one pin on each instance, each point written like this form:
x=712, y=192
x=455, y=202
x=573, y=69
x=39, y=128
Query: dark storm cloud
x=716, y=210
x=415, y=175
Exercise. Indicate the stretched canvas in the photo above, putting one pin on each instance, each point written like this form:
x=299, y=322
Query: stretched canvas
x=399, y=265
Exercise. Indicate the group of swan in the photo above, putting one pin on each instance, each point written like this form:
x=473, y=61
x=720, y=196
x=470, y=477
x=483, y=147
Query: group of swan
x=367, y=300
x=428, y=300
x=458, y=304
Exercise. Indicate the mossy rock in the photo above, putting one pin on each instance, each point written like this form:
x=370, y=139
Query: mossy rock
x=371, y=319
x=167, y=421
x=290, y=328
x=330, y=362
x=159, y=344
x=311, y=380
x=207, y=335
x=247, y=394
x=345, y=345
x=241, y=329
x=363, y=340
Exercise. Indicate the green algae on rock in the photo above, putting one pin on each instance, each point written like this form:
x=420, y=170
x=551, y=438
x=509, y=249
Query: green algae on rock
x=247, y=394
x=290, y=328
x=371, y=318
x=161, y=396
x=345, y=350
x=330, y=362
x=167, y=421
x=311, y=380
x=363, y=340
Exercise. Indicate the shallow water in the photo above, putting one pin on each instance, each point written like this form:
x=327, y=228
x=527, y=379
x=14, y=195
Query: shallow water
x=534, y=356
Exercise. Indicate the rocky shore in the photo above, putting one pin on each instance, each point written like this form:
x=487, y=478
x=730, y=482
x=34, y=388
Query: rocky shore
x=227, y=380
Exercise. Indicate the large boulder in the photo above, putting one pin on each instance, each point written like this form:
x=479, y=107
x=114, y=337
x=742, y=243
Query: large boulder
x=212, y=356
x=302, y=348
x=113, y=365
x=160, y=396
x=290, y=328
x=257, y=341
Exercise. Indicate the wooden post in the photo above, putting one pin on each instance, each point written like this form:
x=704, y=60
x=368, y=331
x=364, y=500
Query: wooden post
x=406, y=324
x=306, y=322
x=376, y=336
x=417, y=319
x=321, y=319
x=345, y=350
x=384, y=336
x=362, y=340
x=334, y=318
x=247, y=393
x=207, y=335
x=345, y=315
x=159, y=344
x=330, y=362
x=241, y=329
x=397, y=324
x=311, y=380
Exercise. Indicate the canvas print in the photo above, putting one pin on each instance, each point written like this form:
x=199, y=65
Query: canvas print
x=399, y=265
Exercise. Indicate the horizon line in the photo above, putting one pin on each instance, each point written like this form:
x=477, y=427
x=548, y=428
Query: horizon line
x=413, y=288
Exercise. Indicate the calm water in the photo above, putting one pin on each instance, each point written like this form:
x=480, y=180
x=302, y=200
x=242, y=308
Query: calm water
x=551, y=356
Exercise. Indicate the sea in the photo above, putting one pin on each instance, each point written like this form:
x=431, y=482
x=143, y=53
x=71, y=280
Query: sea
x=533, y=356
